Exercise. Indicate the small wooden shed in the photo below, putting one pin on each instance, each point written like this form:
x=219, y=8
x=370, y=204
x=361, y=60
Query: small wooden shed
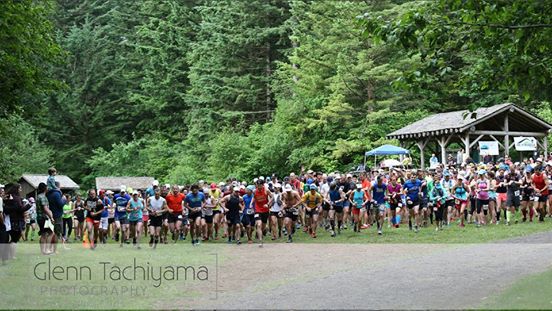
x=29, y=183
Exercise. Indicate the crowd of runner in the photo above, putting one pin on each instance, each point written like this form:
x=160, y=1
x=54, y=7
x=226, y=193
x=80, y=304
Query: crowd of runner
x=281, y=208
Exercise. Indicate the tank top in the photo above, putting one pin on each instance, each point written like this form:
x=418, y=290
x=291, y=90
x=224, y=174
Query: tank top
x=378, y=193
x=500, y=189
x=461, y=193
x=483, y=192
x=335, y=196
x=358, y=198
x=277, y=203
x=538, y=180
x=67, y=207
x=261, y=199
x=136, y=213
x=394, y=190
x=233, y=204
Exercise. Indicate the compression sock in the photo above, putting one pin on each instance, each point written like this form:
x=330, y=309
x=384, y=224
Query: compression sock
x=332, y=224
x=339, y=223
x=508, y=216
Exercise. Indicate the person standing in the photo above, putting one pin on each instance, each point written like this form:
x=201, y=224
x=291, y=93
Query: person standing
x=48, y=240
x=15, y=210
x=540, y=186
x=56, y=203
x=67, y=219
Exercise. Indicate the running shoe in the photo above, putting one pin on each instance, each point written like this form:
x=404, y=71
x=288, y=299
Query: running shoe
x=238, y=242
x=333, y=234
x=290, y=239
x=379, y=232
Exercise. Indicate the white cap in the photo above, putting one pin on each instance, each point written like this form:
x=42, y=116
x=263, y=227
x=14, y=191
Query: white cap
x=168, y=186
x=278, y=185
x=310, y=172
x=134, y=192
x=359, y=185
x=202, y=181
x=222, y=184
x=261, y=177
x=288, y=187
x=255, y=180
x=236, y=188
x=109, y=192
x=324, y=176
x=349, y=175
x=155, y=183
x=1, y=186
x=123, y=188
x=242, y=187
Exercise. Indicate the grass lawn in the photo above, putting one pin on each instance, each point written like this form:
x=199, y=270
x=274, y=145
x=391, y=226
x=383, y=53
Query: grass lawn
x=95, y=285
x=452, y=234
x=532, y=292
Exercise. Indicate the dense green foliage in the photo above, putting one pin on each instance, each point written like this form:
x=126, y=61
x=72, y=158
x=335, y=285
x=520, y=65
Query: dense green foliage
x=206, y=89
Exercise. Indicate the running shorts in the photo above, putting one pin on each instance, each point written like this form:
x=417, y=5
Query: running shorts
x=156, y=221
x=412, y=203
x=312, y=212
x=263, y=217
x=248, y=219
x=104, y=223
x=208, y=218
x=291, y=216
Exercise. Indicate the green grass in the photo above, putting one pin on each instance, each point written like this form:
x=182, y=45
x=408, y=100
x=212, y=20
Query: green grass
x=23, y=290
x=533, y=292
x=452, y=234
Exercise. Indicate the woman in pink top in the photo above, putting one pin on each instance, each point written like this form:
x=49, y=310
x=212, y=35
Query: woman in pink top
x=482, y=190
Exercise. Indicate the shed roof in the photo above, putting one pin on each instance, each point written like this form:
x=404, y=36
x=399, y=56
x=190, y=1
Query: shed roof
x=459, y=121
x=115, y=183
x=65, y=182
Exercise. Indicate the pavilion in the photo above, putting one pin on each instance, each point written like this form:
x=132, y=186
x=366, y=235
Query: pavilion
x=500, y=123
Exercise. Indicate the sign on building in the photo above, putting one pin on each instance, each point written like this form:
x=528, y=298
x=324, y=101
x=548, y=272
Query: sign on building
x=525, y=143
x=488, y=148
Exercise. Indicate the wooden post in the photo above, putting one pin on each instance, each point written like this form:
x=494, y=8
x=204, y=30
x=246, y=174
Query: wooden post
x=467, y=143
x=421, y=145
x=443, y=142
x=506, y=135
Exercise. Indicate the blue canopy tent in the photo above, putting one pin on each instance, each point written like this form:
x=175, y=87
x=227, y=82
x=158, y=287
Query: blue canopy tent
x=385, y=150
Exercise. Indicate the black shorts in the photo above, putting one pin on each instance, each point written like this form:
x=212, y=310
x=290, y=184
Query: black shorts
x=41, y=230
x=217, y=211
x=291, y=216
x=513, y=201
x=134, y=222
x=194, y=215
x=312, y=212
x=275, y=214
x=233, y=218
x=80, y=219
x=208, y=218
x=173, y=217
x=110, y=220
x=543, y=198
x=263, y=217
x=248, y=219
x=338, y=209
x=325, y=206
x=156, y=221
x=415, y=202
x=480, y=204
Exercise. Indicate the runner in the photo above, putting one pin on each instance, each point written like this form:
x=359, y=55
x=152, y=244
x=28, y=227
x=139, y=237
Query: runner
x=78, y=207
x=194, y=203
x=121, y=221
x=135, y=219
x=501, y=195
x=218, y=210
x=447, y=183
x=460, y=196
x=378, y=191
x=291, y=201
x=157, y=206
x=482, y=188
x=276, y=216
x=513, y=183
x=335, y=198
x=438, y=198
x=94, y=208
x=247, y=219
x=175, y=206
x=313, y=203
x=104, y=217
x=207, y=214
x=412, y=189
x=261, y=197
x=234, y=206
x=67, y=219
x=110, y=215
x=394, y=190
x=527, y=196
x=359, y=197
x=540, y=185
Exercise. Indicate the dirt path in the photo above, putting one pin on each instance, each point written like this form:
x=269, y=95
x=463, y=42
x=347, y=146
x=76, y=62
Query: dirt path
x=346, y=276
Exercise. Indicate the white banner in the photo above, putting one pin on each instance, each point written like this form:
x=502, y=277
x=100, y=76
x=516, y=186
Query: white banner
x=525, y=143
x=488, y=148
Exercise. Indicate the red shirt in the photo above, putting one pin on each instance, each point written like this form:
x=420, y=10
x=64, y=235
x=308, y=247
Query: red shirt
x=538, y=180
x=174, y=202
x=261, y=199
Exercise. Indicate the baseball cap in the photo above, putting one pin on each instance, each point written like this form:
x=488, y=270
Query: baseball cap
x=288, y=187
x=123, y=188
x=359, y=185
x=213, y=186
x=310, y=172
x=309, y=181
x=155, y=183
x=482, y=172
x=134, y=192
x=236, y=188
x=349, y=176
x=278, y=185
x=251, y=187
x=313, y=187
x=109, y=192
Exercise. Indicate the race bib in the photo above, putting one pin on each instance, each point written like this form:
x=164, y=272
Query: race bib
x=121, y=208
x=179, y=216
x=256, y=215
x=457, y=202
x=536, y=198
x=249, y=211
x=516, y=193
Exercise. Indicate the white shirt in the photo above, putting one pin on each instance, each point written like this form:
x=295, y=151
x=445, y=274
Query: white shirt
x=156, y=204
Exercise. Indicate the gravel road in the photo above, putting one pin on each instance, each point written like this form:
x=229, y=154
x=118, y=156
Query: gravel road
x=353, y=276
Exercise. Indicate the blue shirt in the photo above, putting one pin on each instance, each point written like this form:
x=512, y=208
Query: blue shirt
x=106, y=202
x=378, y=193
x=335, y=196
x=412, y=188
x=56, y=202
x=195, y=201
x=121, y=201
x=247, y=201
x=136, y=213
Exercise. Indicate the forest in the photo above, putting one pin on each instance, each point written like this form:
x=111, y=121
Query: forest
x=208, y=89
